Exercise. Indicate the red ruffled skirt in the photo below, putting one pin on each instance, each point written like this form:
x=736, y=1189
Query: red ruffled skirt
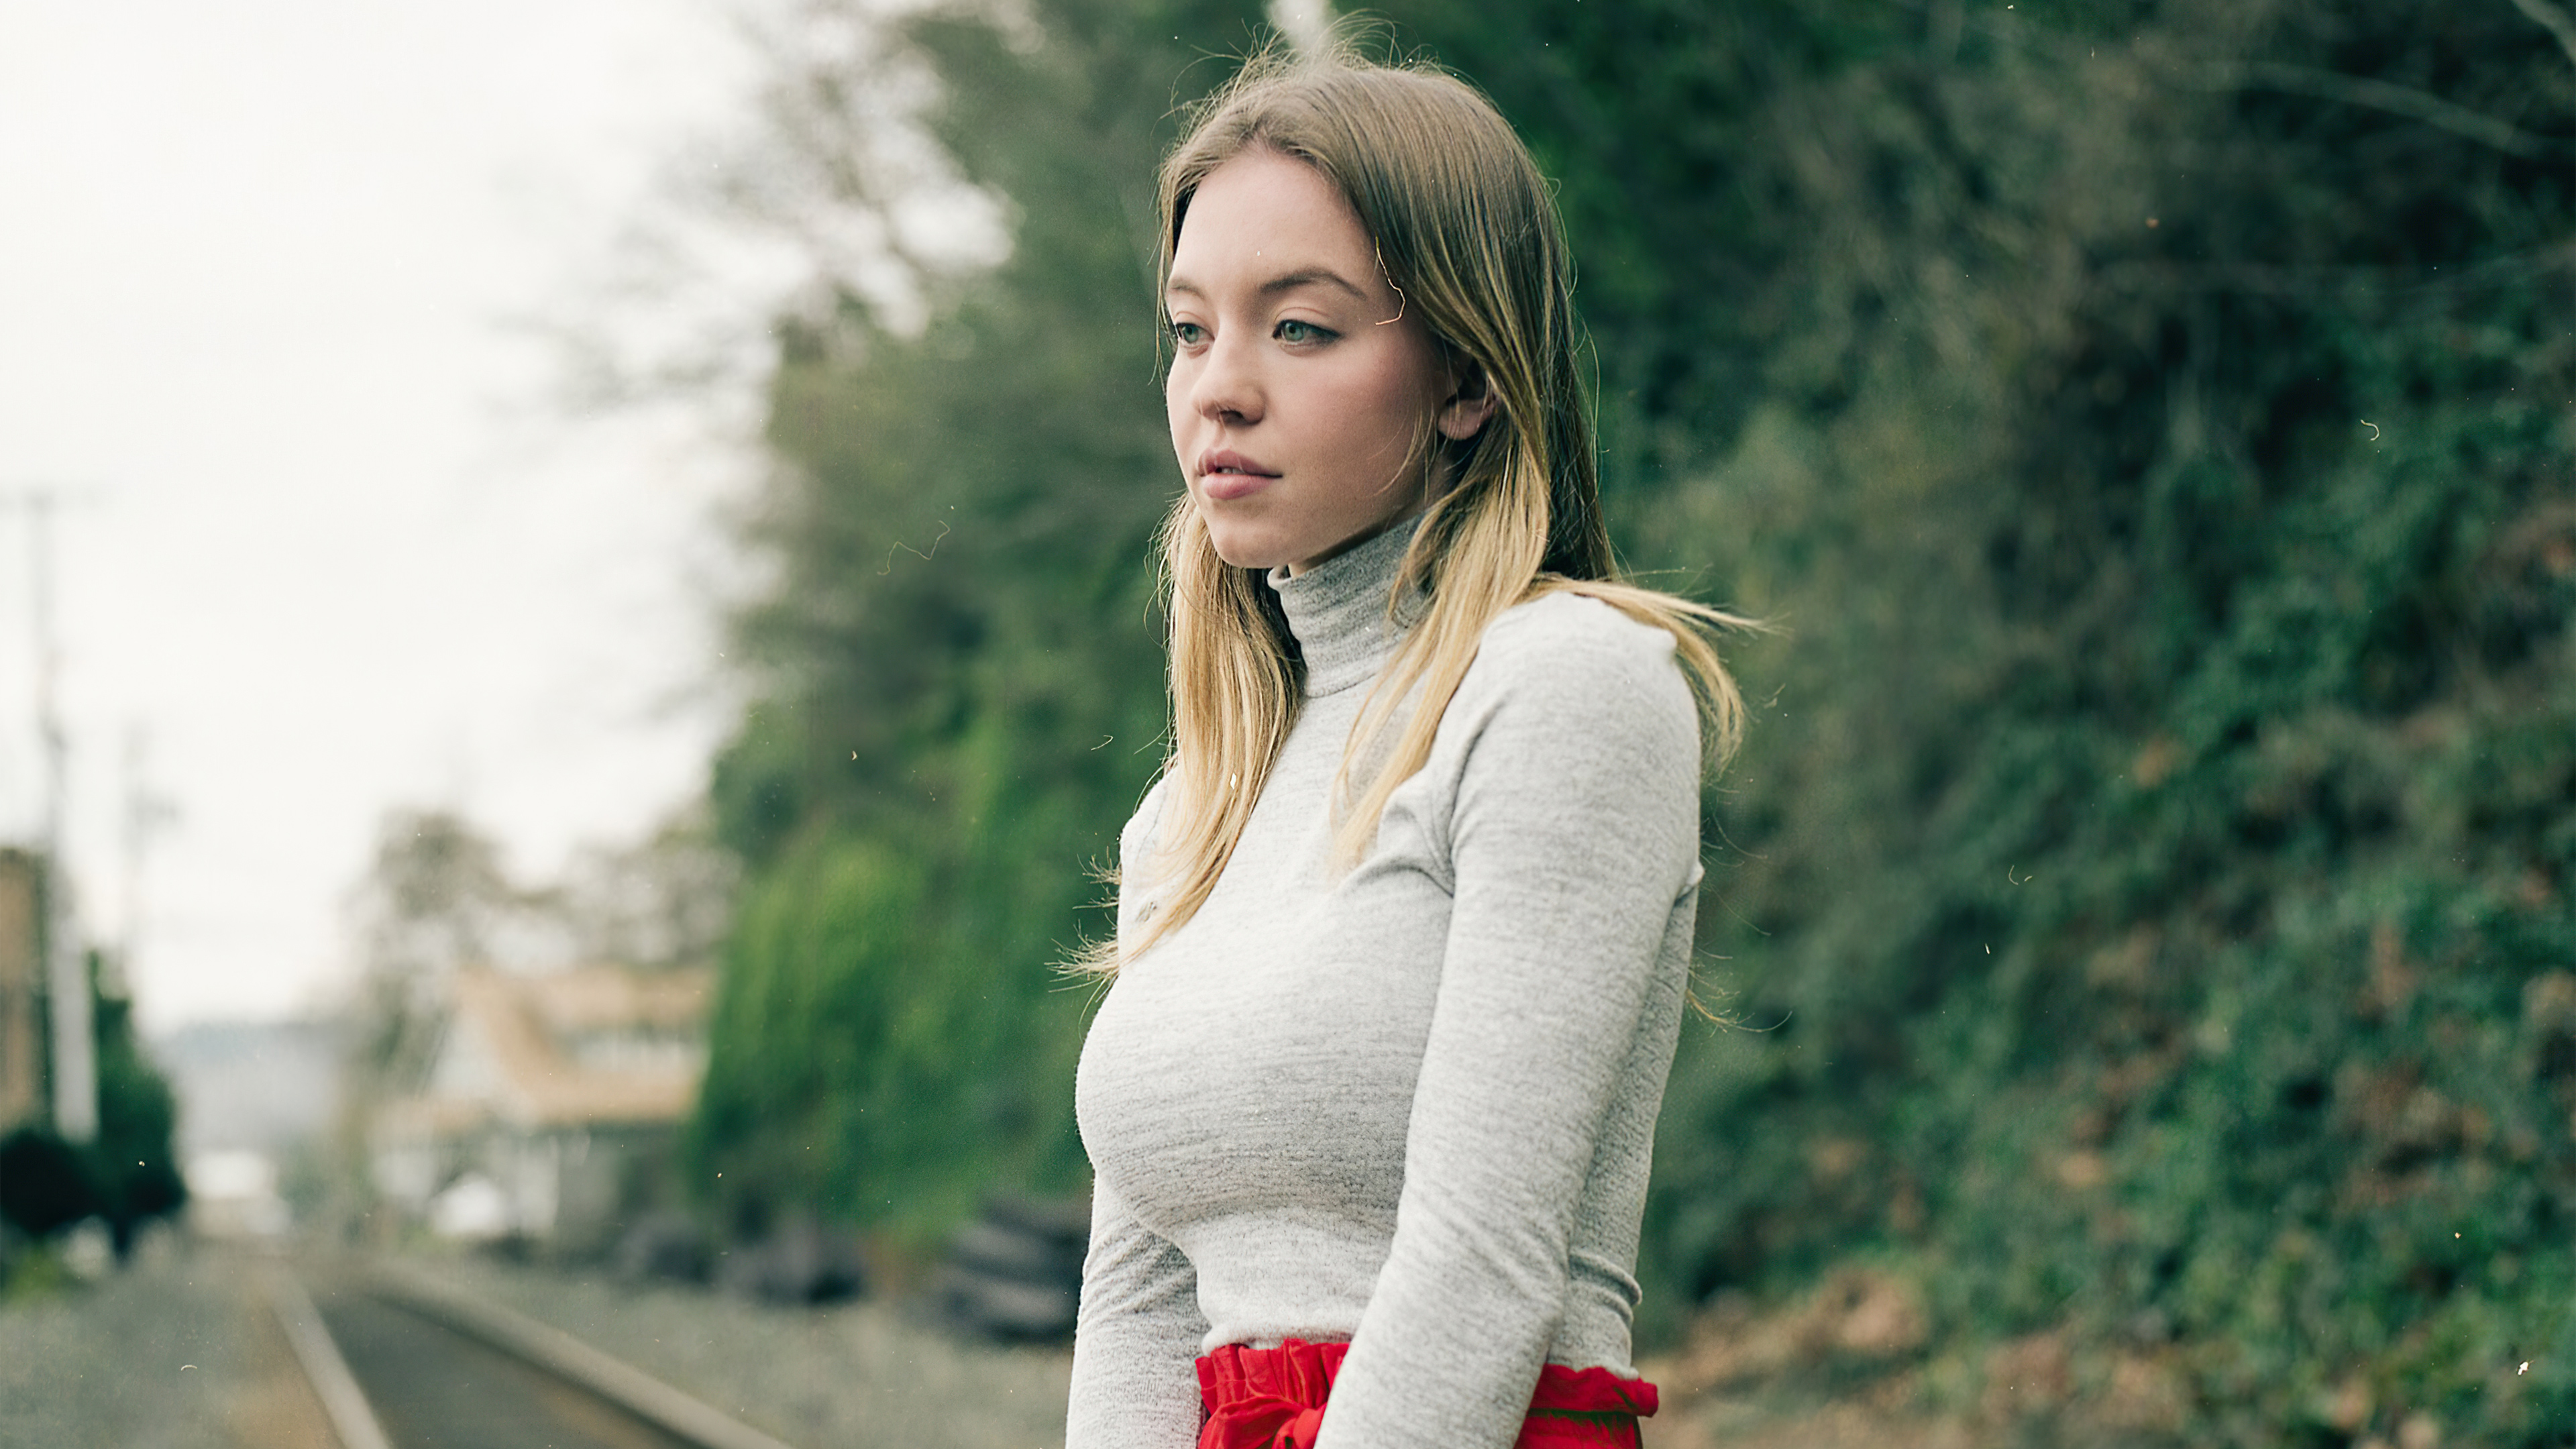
x=1273, y=1398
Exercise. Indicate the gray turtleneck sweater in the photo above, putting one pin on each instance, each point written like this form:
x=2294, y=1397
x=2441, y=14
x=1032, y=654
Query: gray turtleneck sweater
x=1410, y=1105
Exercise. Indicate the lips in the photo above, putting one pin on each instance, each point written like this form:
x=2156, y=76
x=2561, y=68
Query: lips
x=1225, y=474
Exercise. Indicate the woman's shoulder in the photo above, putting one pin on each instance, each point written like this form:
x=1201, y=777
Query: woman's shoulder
x=1139, y=831
x=1568, y=653
x=1563, y=633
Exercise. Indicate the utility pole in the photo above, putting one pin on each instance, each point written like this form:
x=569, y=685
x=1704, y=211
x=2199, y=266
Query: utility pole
x=66, y=976
x=146, y=814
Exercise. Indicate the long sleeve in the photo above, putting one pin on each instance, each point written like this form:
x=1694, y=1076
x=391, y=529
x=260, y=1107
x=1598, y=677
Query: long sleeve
x=1574, y=844
x=1409, y=1103
x=1136, y=1338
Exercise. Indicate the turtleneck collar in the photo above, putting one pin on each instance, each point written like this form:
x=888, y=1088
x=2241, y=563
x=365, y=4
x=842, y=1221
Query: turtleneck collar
x=1338, y=611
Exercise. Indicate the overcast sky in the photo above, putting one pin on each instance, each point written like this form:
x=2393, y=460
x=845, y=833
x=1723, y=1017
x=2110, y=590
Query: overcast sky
x=329, y=546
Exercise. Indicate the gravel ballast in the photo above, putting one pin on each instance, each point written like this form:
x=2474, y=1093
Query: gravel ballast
x=176, y=1352
x=847, y=1376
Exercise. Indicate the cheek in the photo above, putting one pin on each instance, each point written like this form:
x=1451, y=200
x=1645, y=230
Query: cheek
x=1178, y=414
x=1379, y=412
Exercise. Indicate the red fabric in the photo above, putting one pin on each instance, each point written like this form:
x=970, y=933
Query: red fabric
x=1273, y=1398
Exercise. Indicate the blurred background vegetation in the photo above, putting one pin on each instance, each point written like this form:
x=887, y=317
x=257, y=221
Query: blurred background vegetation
x=2145, y=900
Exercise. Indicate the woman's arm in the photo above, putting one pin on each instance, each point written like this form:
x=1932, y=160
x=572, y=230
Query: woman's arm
x=1136, y=1340
x=1137, y=1335
x=1575, y=832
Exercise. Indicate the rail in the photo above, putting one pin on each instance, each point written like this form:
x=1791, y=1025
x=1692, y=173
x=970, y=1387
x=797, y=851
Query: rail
x=411, y=1378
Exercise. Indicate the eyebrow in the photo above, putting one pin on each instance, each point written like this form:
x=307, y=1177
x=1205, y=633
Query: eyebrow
x=1284, y=282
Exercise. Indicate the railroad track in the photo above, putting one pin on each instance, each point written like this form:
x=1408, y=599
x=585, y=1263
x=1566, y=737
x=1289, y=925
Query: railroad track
x=400, y=1362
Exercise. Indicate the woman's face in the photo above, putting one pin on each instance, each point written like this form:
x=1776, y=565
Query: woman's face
x=1298, y=379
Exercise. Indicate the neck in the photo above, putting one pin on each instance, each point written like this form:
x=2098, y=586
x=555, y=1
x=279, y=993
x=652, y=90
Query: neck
x=1338, y=609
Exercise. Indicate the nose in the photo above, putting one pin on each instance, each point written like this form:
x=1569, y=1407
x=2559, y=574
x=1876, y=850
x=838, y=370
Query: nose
x=1224, y=385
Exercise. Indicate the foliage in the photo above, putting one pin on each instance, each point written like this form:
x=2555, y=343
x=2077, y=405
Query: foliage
x=46, y=1183
x=439, y=898
x=2156, y=861
x=660, y=902
x=128, y=1174
x=436, y=899
x=961, y=686
x=135, y=1158
x=2148, y=892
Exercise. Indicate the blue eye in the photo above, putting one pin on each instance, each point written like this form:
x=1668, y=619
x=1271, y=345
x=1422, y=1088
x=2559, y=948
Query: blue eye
x=1293, y=331
x=1188, y=334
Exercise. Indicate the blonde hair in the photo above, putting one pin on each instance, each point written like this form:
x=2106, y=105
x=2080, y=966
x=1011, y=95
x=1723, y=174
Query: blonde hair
x=1469, y=236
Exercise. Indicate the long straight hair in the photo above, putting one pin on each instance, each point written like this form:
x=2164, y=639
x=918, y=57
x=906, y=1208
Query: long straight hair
x=1470, y=237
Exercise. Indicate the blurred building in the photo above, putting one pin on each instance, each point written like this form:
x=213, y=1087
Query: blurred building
x=257, y=1102
x=270, y=1087
x=551, y=1105
x=22, y=1030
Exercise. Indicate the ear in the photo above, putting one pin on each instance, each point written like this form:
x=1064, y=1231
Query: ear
x=1469, y=406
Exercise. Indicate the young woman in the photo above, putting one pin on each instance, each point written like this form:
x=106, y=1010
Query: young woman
x=1404, y=930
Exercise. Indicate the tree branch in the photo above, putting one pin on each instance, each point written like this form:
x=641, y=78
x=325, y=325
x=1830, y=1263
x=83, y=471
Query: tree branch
x=2396, y=100
x=2552, y=19
x=2274, y=280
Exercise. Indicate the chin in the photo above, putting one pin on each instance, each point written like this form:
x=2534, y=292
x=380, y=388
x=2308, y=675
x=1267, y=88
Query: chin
x=1243, y=552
